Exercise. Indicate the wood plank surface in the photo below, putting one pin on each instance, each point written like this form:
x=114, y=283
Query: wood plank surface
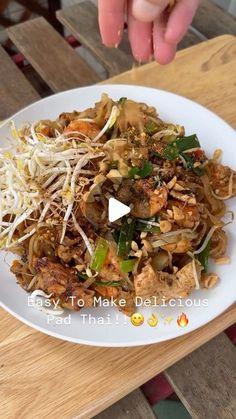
x=54, y=379
x=205, y=380
x=56, y=62
x=213, y=21
x=191, y=38
x=204, y=73
x=15, y=91
x=82, y=21
x=133, y=406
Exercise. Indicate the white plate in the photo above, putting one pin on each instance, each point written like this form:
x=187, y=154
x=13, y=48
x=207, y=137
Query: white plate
x=117, y=329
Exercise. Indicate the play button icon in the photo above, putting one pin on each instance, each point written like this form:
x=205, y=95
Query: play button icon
x=116, y=210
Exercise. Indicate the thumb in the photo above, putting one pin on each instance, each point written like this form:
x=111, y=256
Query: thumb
x=148, y=10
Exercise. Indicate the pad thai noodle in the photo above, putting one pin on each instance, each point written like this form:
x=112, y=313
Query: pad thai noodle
x=56, y=181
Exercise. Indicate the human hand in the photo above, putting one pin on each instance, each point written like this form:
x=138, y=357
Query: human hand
x=152, y=28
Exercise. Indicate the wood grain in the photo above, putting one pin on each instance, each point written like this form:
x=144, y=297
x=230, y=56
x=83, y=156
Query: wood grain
x=205, y=380
x=133, y=406
x=213, y=21
x=15, y=91
x=204, y=73
x=56, y=62
x=82, y=21
x=54, y=379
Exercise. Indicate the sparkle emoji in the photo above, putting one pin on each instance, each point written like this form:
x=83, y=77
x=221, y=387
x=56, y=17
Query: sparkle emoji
x=153, y=320
x=182, y=320
x=137, y=319
x=168, y=320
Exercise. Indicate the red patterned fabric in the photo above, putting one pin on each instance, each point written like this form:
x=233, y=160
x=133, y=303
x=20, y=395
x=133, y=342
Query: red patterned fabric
x=231, y=333
x=157, y=389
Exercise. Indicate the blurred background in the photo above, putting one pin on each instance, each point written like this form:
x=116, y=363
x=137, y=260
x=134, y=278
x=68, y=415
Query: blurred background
x=15, y=11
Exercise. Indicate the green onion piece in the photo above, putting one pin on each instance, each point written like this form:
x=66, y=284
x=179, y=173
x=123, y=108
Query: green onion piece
x=189, y=160
x=122, y=100
x=115, y=235
x=203, y=257
x=173, y=149
x=82, y=276
x=125, y=238
x=150, y=127
x=169, y=138
x=127, y=265
x=108, y=284
x=100, y=254
x=141, y=172
x=148, y=227
x=186, y=143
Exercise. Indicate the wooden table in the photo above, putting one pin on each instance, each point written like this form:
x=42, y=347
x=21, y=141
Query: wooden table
x=44, y=377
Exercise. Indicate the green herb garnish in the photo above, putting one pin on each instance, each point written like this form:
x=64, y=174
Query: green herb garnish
x=108, y=284
x=125, y=238
x=141, y=172
x=174, y=149
x=203, y=257
x=127, y=265
x=100, y=254
x=189, y=162
x=150, y=127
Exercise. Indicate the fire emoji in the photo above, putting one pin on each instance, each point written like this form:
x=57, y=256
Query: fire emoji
x=182, y=320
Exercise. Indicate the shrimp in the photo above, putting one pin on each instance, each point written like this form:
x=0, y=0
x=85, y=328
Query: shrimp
x=107, y=291
x=111, y=267
x=95, y=212
x=90, y=129
x=62, y=282
x=144, y=199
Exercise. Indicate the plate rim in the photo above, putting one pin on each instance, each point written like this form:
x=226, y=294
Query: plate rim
x=142, y=342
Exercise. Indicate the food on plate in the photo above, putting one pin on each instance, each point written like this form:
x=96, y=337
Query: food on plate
x=56, y=181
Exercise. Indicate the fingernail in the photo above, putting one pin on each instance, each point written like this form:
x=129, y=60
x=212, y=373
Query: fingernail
x=146, y=11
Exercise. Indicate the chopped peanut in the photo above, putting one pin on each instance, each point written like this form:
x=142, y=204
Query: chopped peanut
x=209, y=279
x=134, y=246
x=79, y=268
x=143, y=234
x=147, y=245
x=165, y=226
x=222, y=260
x=115, y=176
x=172, y=182
x=178, y=187
x=182, y=246
x=178, y=213
x=138, y=254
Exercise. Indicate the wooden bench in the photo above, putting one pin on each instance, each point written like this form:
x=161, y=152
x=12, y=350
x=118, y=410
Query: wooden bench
x=81, y=21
